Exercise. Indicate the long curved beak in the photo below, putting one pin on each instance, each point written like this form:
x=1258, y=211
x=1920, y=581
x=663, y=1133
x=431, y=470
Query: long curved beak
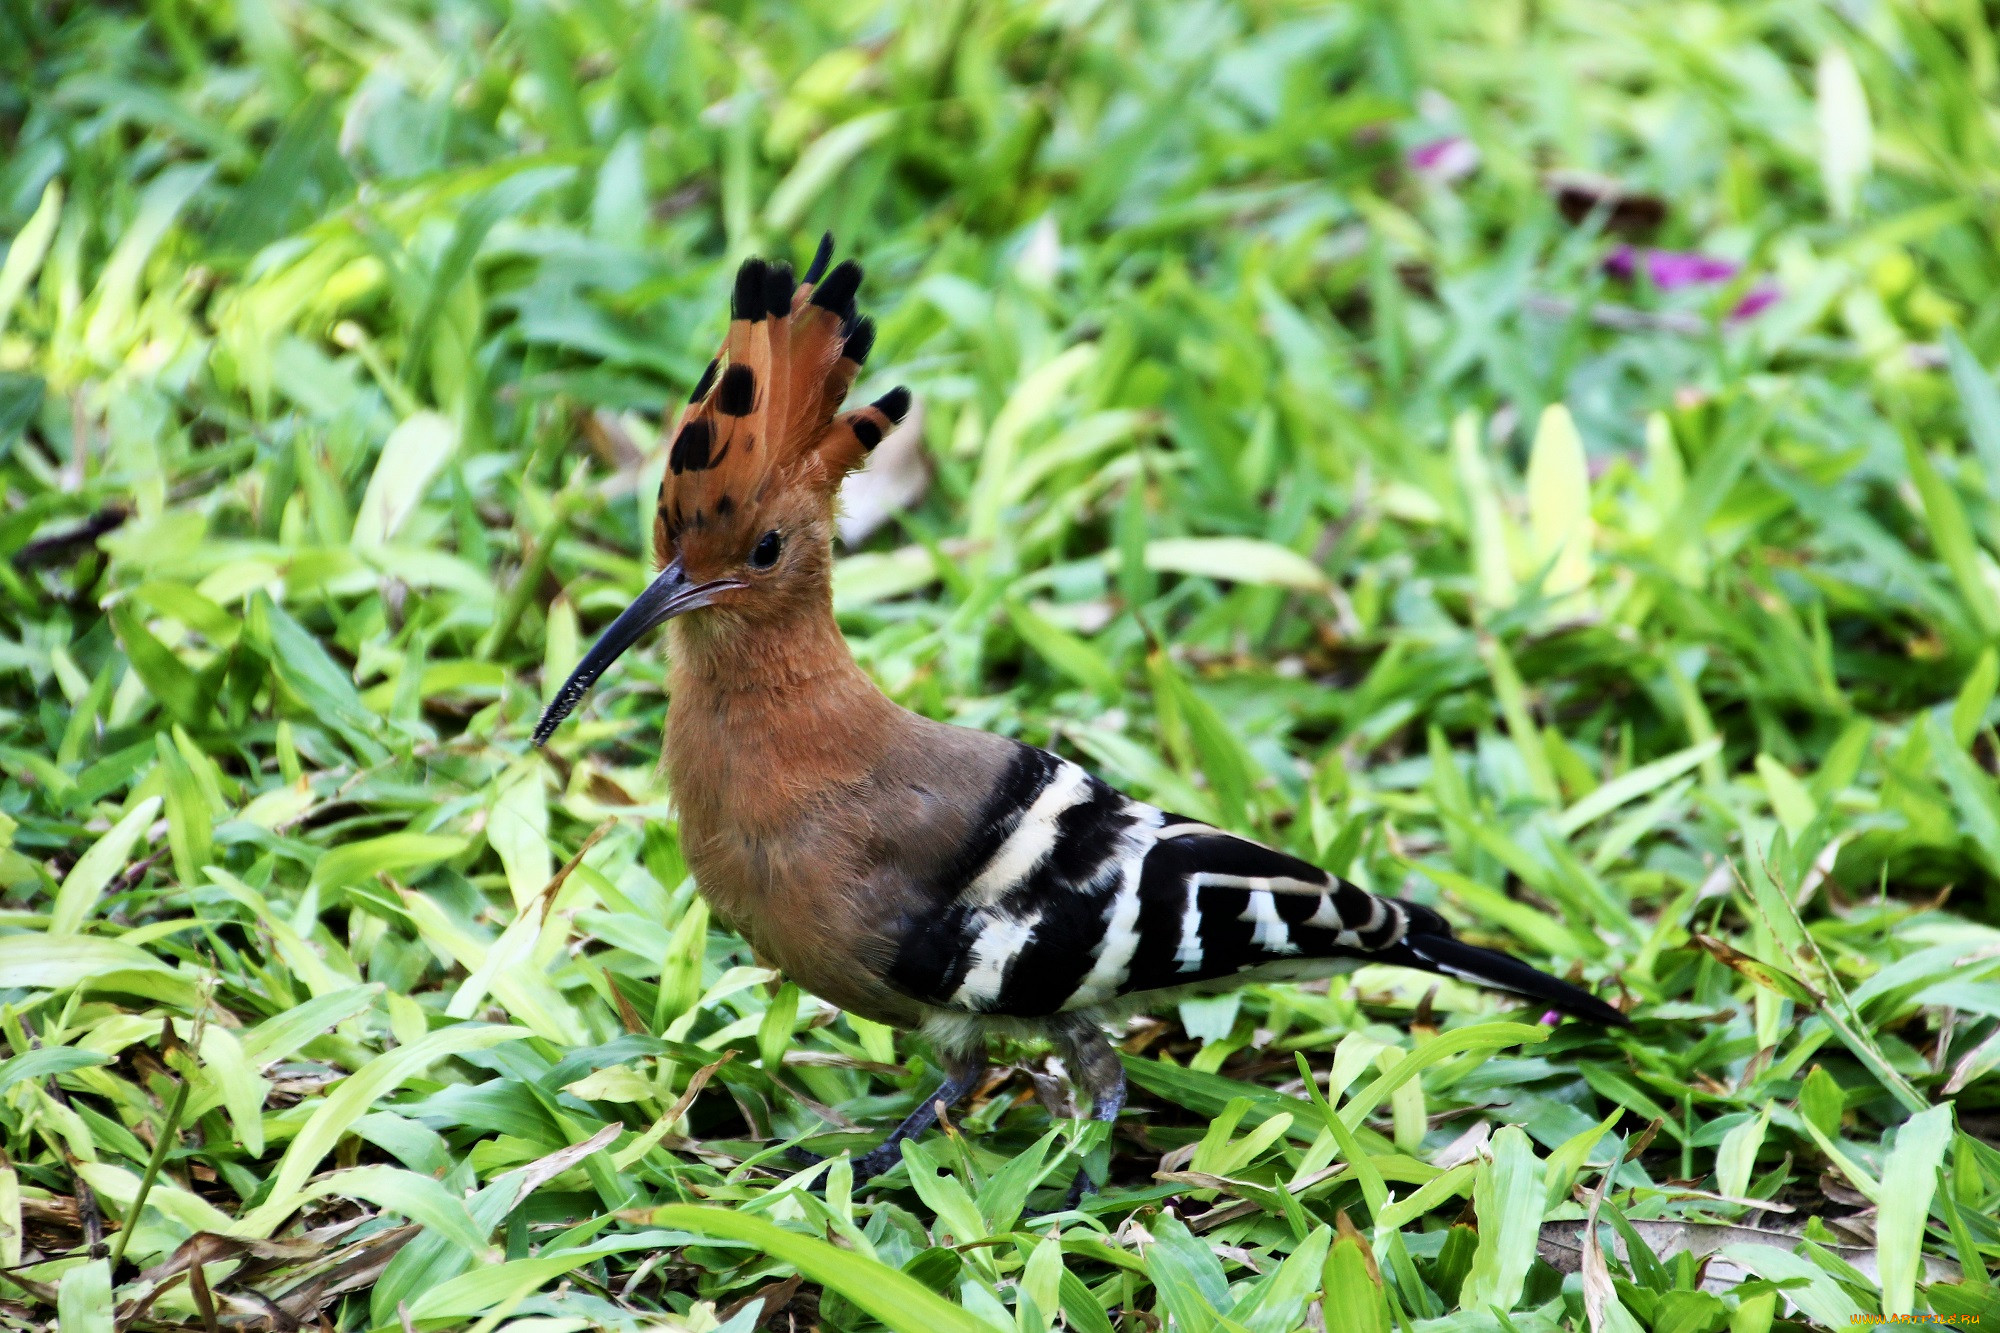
x=668, y=595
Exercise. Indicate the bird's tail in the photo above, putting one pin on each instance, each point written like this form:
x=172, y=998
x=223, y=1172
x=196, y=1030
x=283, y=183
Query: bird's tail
x=1447, y=954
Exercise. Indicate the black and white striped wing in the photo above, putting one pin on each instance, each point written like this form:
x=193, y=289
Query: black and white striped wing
x=1070, y=895
x=1073, y=894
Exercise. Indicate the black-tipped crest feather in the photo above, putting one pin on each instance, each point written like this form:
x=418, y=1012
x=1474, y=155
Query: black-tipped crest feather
x=837, y=292
x=706, y=382
x=738, y=392
x=821, y=258
x=860, y=342
x=747, y=300
x=778, y=286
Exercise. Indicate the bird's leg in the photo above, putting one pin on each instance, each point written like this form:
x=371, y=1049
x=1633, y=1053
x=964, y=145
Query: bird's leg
x=963, y=1073
x=1094, y=1068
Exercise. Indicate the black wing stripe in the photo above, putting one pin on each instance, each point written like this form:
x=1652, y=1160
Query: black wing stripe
x=1067, y=894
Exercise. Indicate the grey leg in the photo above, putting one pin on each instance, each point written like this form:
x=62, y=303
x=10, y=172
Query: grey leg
x=959, y=1080
x=1096, y=1070
x=962, y=1075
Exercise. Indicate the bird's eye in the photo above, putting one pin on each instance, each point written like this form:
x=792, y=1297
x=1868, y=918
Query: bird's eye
x=766, y=553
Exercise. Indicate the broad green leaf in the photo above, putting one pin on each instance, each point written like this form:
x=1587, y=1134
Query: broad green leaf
x=1559, y=503
x=10, y=1217
x=1236, y=560
x=1493, y=536
x=902, y=1303
x=86, y=881
x=242, y=1091
x=398, y=853
x=416, y=1197
x=1187, y=1275
x=169, y=1200
x=1032, y=402
x=111, y=325
x=190, y=825
x=1978, y=402
x=1912, y=1166
x=1817, y=1294
x=413, y=455
x=1790, y=800
x=1975, y=696
x=944, y=1194
x=820, y=164
x=45, y=1062
x=1628, y=787
x=1507, y=1194
x=185, y=696
x=1973, y=791
x=26, y=250
x=1846, y=131
x=517, y=827
x=871, y=577
x=1567, y=1162
x=1067, y=653
x=1352, y=1298
x=83, y=1300
x=348, y=1102
x=326, y=691
x=1477, y=1037
x=1736, y=1158
x=613, y=1083
x=1951, y=536
x=1512, y=693
x=50, y=963
x=1278, y=1303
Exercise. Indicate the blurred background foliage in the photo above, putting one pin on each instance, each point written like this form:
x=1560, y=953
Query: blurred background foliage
x=1537, y=458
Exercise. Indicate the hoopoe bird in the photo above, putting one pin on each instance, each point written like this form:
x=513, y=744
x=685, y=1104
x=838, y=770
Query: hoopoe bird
x=918, y=874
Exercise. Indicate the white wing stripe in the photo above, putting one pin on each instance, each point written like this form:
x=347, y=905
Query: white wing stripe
x=1271, y=934
x=1189, y=955
x=1032, y=839
x=999, y=943
x=1119, y=944
x=1327, y=917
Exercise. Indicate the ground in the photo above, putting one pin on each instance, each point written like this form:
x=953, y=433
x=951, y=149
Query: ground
x=1538, y=459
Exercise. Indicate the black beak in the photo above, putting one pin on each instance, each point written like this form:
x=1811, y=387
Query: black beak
x=665, y=597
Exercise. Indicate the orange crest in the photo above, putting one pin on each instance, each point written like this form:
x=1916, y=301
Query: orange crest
x=766, y=415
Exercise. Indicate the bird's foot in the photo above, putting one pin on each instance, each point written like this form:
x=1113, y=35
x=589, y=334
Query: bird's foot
x=877, y=1161
x=866, y=1167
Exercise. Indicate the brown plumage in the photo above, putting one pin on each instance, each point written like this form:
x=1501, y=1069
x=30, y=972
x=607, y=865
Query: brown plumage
x=915, y=873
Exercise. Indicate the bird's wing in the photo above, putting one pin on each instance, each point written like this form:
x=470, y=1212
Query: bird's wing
x=1067, y=894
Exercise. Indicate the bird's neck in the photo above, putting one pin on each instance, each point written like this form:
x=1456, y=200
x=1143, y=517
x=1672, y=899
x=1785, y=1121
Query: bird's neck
x=768, y=710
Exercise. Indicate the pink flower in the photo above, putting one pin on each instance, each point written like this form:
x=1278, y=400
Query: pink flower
x=1756, y=301
x=1551, y=1018
x=1668, y=269
x=1448, y=159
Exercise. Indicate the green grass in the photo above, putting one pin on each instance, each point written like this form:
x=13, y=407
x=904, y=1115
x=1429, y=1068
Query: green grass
x=1280, y=480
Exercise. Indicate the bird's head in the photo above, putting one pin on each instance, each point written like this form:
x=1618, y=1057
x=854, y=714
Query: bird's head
x=745, y=518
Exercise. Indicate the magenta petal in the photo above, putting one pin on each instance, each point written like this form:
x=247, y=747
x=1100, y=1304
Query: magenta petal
x=1678, y=268
x=1551, y=1018
x=1448, y=159
x=1669, y=269
x=1756, y=301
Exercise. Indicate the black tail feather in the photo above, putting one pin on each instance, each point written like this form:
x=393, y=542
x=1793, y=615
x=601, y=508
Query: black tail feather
x=1489, y=967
